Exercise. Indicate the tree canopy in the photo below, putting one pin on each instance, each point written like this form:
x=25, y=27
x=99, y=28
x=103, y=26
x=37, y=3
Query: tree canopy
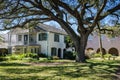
x=85, y=14
x=115, y=31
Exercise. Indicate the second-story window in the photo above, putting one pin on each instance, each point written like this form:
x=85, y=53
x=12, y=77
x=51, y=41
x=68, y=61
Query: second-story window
x=19, y=37
x=31, y=38
x=65, y=39
x=42, y=36
x=56, y=37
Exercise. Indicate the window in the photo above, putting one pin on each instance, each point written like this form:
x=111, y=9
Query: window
x=56, y=37
x=19, y=37
x=32, y=50
x=25, y=37
x=53, y=51
x=65, y=39
x=42, y=36
x=31, y=37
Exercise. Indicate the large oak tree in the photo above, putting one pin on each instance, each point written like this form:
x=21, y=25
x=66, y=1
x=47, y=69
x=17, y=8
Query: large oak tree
x=85, y=14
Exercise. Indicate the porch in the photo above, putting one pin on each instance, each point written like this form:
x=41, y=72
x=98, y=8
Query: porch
x=27, y=49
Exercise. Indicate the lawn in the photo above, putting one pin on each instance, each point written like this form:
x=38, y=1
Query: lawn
x=64, y=70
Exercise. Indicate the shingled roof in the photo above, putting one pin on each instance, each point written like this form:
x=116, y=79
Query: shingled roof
x=51, y=29
x=41, y=27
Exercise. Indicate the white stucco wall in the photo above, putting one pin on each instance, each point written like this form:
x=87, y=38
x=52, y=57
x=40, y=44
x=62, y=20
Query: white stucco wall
x=13, y=40
x=43, y=46
x=49, y=43
x=57, y=45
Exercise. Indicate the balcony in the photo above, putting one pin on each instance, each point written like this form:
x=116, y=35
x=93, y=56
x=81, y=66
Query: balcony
x=30, y=42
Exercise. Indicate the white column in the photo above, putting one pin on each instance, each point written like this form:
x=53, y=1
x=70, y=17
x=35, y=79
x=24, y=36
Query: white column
x=62, y=53
x=48, y=44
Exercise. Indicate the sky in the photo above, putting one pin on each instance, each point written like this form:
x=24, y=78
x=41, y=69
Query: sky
x=4, y=32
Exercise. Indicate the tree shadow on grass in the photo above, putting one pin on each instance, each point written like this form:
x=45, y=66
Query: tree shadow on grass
x=25, y=78
x=25, y=73
x=22, y=70
x=13, y=64
x=108, y=68
x=100, y=70
x=91, y=70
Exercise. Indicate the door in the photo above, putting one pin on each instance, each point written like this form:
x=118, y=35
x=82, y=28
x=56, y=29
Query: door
x=59, y=53
x=25, y=39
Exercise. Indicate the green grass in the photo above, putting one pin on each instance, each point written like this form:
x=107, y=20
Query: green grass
x=69, y=70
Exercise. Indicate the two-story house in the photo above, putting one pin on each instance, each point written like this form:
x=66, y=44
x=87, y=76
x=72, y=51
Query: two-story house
x=44, y=39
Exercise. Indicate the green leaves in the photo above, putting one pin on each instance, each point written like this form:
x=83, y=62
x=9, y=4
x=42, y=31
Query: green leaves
x=115, y=33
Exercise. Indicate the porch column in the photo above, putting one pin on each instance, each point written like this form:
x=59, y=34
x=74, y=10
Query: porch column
x=62, y=53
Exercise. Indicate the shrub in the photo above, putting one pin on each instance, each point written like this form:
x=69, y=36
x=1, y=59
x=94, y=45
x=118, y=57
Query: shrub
x=42, y=55
x=31, y=55
x=69, y=55
x=50, y=58
x=16, y=56
x=3, y=58
x=55, y=57
x=21, y=56
x=96, y=55
x=3, y=51
x=13, y=57
x=107, y=55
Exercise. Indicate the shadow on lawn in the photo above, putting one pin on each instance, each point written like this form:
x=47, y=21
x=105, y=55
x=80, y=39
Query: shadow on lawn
x=23, y=78
x=109, y=68
x=23, y=70
x=91, y=70
x=13, y=64
x=100, y=69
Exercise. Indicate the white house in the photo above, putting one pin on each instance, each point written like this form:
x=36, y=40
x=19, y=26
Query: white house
x=39, y=39
x=3, y=40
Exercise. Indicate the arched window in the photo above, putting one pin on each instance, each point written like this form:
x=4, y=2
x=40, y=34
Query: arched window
x=113, y=51
x=103, y=50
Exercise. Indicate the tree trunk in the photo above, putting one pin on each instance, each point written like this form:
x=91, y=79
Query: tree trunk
x=100, y=45
x=80, y=49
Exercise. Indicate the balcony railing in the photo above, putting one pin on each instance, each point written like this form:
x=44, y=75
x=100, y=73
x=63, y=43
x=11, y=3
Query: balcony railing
x=29, y=42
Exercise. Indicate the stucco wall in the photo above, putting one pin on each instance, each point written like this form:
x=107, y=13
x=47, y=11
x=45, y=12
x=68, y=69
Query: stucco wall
x=106, y=42
x=57, y=45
